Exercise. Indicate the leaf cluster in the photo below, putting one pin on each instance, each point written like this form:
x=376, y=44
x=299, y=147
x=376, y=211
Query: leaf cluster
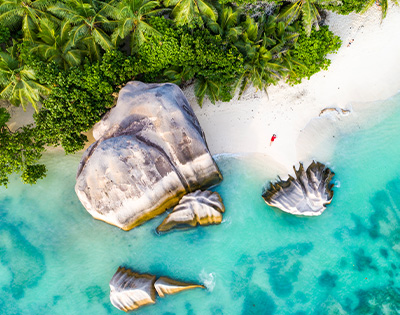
x=78, y=99
x=183, y=54
x=360, y=6
x=20, y=152
x=311, y=52
x=4, y=34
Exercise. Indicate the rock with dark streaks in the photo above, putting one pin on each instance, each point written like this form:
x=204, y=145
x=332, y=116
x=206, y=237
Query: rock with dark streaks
x=166, y=286
x=198, y=208
x=307, y=194
x=150, y=151
x=130, y=290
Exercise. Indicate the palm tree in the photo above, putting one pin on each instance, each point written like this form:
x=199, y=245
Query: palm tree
x=264, y=47
x=189, y=11
x=227, y=24
x=279, y=34
x=130, y=17
x=262, y=67
x=178, y=75
x=309, y=11
x=20, y=86
x=89, y=22
x=54, y=44
x=382, y=3
x=203, y=87
x=14, y=13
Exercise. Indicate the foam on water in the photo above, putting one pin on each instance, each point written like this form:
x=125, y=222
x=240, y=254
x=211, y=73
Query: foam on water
x=208, y=279
x=56, y=259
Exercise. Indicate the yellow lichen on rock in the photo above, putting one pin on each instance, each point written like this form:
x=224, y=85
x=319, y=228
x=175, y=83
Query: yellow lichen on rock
x=198, y=208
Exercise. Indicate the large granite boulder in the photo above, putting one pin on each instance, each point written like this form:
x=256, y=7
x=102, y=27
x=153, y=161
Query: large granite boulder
x=198, y=208
x=307, y=194
x=150, y=151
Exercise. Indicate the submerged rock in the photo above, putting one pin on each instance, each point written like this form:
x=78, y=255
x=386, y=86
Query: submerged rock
x=150, y=151
x=307, y=194
x=200, y=207
x=130, y=290
x=166, y=286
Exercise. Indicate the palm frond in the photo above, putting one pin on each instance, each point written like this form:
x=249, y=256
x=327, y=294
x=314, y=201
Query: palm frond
x=290, y=13
x=29, y=29
x=102, y=39
x=310, y=16
x=207, y=9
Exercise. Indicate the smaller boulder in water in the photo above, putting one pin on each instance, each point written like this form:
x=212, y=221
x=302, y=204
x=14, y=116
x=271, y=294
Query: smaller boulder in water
x=130, y=290
x=165, y=286
x=307, y=194
x=200, y=207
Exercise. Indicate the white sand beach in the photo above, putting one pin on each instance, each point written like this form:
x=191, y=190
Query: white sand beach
x=368, y=70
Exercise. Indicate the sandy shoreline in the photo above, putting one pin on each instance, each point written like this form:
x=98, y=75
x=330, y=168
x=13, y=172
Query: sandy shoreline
x=367, y=71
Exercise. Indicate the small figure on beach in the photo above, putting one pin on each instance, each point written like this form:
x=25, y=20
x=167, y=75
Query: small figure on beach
x=350, y=42
x=272, y=139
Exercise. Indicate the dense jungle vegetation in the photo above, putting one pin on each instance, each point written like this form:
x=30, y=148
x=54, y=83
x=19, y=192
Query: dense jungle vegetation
x=69, y=58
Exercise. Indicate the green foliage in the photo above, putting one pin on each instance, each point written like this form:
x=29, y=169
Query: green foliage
x=69, y=64
x=4, y=117
x=79, y=98
x=213, y=89
x=53, y=43
x=360, y=6
x=18, y=82
x=311, y=52
x=243, y=2
x=191, y=12
x=25, y=14
x=130, y=17
x=187, y=53
x=90, y=24
x=4, y=34
x=19, y=152
x=347, y=6
x=117, y=67
x=266, y=49
x=307, y=9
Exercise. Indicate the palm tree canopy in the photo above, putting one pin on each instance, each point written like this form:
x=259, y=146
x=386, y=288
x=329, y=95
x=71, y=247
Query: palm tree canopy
x=265, y=46
x=54, y=44
x=188, y=11
x=19, y=84
x=309, y=11
x=89, y=23
x=227, y=24
x=130, y=17
x=25, y=13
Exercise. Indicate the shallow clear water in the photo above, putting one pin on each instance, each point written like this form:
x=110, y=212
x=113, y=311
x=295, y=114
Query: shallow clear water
x=56, y=259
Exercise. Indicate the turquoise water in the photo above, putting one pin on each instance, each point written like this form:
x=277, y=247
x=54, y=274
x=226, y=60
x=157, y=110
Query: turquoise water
x=56, y=259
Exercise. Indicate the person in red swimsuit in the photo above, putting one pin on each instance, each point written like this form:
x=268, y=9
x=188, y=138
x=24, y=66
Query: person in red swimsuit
x=272, y=139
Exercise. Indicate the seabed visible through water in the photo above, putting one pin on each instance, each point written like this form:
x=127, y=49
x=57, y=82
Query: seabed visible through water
x=56, y=259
